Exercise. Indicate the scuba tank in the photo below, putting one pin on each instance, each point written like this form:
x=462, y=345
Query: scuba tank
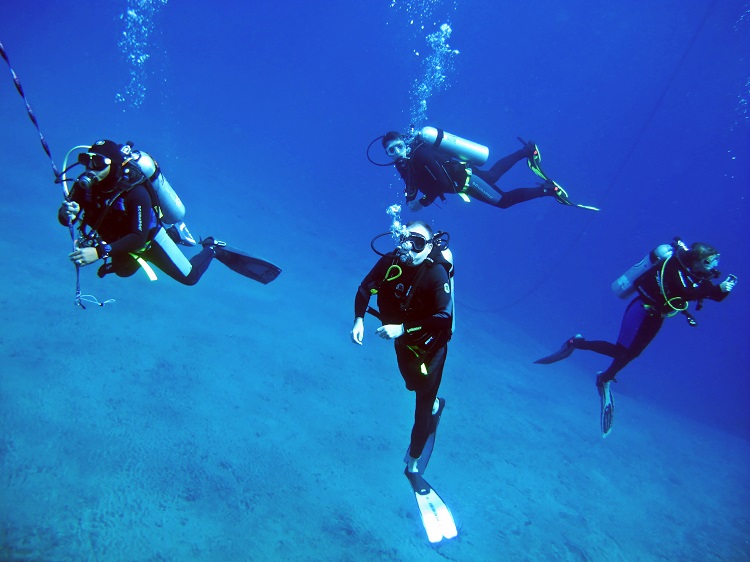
x=171, y=206
x=448, y=256
x=624, y=286
x=462, y=149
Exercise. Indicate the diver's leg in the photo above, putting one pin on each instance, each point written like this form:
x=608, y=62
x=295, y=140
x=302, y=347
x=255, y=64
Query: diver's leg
x=480, y=190
x=198, y=264
x=597, y=346
x=122, y=266
x=639, y=328
x=426, y=388
x=481, y=187
x=520, y=195
x=500, y=167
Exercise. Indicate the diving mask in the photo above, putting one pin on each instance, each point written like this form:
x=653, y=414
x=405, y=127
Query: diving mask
x=711, y=262
x=94, y=161
x=413, y=242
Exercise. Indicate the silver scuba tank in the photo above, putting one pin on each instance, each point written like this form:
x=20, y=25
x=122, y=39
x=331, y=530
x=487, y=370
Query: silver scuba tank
x=448, y=256
x=462, y=149
x=624, y=286
x=171, y=206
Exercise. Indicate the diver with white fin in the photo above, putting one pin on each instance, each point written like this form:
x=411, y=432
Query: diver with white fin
x=414, y=288
x=664, y=282
x=413, y=285
x=129, y=216
x=434, y=163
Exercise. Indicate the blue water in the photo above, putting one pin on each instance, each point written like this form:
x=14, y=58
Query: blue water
x=260, y=115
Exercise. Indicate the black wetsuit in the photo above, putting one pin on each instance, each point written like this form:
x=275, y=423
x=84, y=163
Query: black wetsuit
x=645, y=314
x=427, y=319
x=128, y=225
x=435, y=173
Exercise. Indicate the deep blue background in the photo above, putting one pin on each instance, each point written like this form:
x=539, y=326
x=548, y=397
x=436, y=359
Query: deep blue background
x=260, y=116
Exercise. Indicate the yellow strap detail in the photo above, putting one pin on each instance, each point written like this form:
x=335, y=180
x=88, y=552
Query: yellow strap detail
x=146, y=267
x=465, y=188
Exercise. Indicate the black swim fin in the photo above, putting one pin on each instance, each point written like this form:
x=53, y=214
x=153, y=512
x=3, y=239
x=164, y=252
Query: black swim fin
x=247, y=265
x=562, y=353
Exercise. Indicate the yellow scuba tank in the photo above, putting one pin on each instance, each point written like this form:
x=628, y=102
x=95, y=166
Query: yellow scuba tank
x=462, y=149
x=624, y=286
x=171, y=206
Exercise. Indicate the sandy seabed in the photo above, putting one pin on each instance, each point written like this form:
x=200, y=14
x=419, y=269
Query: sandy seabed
x=235, y=421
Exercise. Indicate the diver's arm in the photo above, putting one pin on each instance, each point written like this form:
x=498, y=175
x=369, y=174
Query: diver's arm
x=362, y=300
x=684, y=286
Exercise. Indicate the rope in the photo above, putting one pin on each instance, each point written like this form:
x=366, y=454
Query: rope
x=79, y=297
x=618, y=173
x=17, y=82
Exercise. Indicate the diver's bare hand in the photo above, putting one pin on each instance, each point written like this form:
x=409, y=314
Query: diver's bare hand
x=71, y=209
x=358, y=331
x=83, y=256
x=390, y=331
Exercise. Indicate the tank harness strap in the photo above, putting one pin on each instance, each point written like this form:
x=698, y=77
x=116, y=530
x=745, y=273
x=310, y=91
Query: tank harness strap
x=147, y=183
x=374, y=311
x=438, y=138
x=157, y=171
x=406, y=303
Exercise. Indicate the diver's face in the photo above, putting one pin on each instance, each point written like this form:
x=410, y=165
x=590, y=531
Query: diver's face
x=396, y=149
x=417, y=243
x=97, y=165
x=707, y=264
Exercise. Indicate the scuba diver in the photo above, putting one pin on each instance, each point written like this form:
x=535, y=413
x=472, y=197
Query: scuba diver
x=665, y=281
x=128, y=214
x=435, y=163
x=414, y=292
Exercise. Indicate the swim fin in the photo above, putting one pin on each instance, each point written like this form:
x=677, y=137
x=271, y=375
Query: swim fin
x=437, y=519
x=608, y=406
x=535, y=165
x=562, y=353
x=247, y=265
x=535, y=160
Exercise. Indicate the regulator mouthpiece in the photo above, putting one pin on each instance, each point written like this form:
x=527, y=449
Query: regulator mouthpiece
x=87, y=180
